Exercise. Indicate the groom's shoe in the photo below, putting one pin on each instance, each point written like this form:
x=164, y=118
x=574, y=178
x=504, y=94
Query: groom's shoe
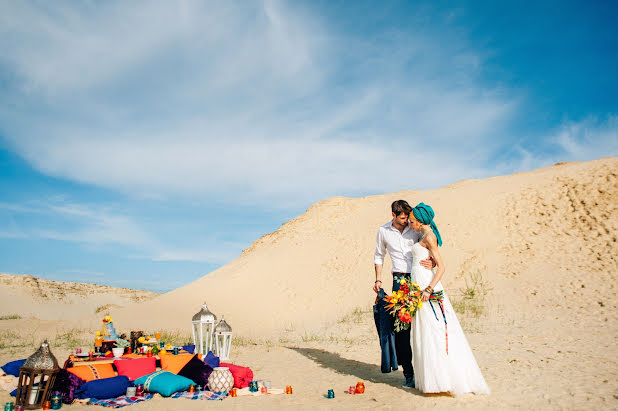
x=409, y=382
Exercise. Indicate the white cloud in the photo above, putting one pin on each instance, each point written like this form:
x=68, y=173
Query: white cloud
x=589, y=139
x=99, y=225
x=221, y=100
x=585, y=140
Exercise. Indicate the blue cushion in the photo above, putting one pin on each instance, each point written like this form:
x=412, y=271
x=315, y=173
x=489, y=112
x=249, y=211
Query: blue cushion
x=211, y=360
x=12, y=368
x=104, y=388
x=164, y=382
x=189, y=348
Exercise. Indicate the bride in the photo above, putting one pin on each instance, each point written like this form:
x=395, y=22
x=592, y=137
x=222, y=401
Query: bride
x=442, y=358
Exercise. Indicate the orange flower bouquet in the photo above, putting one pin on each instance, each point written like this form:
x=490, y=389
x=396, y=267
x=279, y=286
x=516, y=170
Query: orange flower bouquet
x=404, y=303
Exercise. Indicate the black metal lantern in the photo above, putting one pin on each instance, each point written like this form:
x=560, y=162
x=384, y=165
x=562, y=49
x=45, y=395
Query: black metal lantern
x=36, y=378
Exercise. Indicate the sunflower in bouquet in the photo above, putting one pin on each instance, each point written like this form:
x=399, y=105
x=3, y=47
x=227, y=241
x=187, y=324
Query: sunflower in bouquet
x=404, y=303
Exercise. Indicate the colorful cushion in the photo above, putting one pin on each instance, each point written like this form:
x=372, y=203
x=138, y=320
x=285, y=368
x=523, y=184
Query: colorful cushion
x=211, y=360
x=174, y=363
x=133, y=369
x=91, y=372
x=12, y=368
x=164, y=382
x=67, y=383
x=242, y=375
x=104, y=388
x=189, y=348
x=196, y=371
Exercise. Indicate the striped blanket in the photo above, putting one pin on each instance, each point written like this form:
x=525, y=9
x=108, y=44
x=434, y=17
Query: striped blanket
x=121, y=401
x=201, y=395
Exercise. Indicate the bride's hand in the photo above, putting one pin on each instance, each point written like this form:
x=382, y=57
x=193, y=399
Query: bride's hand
x=425, y=296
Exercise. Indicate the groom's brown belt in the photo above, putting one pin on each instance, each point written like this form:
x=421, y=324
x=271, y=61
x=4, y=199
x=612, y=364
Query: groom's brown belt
x=398, y=273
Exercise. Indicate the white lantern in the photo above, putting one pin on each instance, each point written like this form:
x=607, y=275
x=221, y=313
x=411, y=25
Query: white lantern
x=223, y=339
x=203, y=327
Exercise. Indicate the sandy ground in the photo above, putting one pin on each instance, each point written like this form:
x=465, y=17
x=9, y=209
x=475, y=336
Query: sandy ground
x=545, y=334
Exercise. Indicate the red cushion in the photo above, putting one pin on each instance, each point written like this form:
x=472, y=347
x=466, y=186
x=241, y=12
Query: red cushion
x=133, y=369
x=242, y=375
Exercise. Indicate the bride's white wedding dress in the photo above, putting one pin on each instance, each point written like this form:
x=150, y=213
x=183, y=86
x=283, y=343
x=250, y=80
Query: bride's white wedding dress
x=436, y=370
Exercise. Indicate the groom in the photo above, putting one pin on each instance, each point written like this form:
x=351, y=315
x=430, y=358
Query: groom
x=397, y=238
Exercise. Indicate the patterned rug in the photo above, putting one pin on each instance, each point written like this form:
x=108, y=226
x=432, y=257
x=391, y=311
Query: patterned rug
x=201, y=395
x=121, y=401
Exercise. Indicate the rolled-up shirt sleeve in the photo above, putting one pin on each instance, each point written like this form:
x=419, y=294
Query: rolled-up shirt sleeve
x=378, y=257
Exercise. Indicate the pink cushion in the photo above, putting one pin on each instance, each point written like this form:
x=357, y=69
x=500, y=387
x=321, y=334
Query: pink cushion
x=136, y=368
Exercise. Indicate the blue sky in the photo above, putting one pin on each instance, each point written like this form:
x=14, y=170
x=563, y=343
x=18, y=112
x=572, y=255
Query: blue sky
x=145, y=144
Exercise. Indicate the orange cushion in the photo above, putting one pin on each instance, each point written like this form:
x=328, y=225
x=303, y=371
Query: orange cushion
x=93, y=371
x=174, y=363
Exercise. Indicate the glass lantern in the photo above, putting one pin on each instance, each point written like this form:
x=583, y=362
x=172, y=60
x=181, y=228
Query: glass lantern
x=223, y=339
x=203, y=325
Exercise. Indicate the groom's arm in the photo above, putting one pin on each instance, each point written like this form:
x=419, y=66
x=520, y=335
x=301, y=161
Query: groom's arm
x=378, y=284
x=378, y=260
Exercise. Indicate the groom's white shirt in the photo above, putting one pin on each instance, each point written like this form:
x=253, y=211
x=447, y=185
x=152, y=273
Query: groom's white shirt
x=399, y=246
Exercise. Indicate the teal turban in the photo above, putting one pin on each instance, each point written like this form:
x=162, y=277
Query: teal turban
x=424, y=213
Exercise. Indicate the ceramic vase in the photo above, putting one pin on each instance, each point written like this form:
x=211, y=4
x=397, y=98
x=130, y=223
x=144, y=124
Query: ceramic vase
x=220, y=380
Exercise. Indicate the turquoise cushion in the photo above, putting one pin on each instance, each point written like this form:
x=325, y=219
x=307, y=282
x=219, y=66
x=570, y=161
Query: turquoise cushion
x=164, y=382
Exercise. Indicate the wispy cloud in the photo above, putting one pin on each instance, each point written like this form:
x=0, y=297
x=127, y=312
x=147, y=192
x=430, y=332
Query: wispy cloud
x=221, y=100
x=588, y=139
x=99, y=225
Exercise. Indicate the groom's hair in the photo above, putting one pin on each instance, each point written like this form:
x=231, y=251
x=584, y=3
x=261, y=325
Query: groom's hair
x=401, y=206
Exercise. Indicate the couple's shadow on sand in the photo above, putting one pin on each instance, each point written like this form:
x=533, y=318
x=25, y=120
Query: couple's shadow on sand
x=361, y=370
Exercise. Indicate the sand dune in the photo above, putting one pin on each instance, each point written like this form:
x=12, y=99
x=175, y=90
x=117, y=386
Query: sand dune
x=30, y=296
x=535, y=237
x=546, y=334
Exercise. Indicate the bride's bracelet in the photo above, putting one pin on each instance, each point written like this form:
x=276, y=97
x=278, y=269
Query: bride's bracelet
x=429, y=290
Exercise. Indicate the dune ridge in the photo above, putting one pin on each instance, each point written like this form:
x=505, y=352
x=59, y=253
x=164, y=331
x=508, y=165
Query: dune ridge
x=318, y=267
x=30, y=296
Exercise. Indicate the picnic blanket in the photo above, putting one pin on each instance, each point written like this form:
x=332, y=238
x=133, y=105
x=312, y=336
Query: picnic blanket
x=123, y=401
x=200, y=395
x=119, y=402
